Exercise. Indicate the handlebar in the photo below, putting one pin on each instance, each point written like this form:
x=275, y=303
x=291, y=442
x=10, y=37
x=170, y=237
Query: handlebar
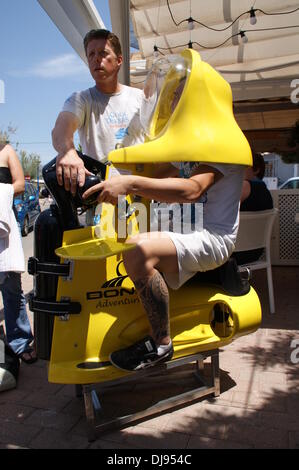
x=67, y=203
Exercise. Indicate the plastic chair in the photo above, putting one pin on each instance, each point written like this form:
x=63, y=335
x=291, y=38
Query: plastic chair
x=255, y=232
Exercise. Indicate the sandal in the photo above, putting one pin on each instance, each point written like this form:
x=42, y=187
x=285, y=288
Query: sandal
x=29, y=356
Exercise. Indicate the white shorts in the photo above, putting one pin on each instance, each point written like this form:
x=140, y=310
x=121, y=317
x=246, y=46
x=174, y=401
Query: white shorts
x=198, y=251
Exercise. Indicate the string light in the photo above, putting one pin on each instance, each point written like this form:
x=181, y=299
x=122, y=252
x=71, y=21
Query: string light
x=253, y=19
x=243, y=37
x=241, y=33
x=190, y=23
x=156, y=52
x=251, y=12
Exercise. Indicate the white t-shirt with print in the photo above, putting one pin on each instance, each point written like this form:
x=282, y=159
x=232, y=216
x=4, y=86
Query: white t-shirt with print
x=211, y=245
x=222, y=200
x=106, y=119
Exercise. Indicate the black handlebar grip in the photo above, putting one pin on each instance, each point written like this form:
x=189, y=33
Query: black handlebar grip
x=90, y=181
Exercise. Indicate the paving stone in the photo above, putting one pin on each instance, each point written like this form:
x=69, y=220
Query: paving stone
x=11, y=447
x=15, y=412
x=273, y=378
x=16, y=395
x=17, y=434
x=201, y=442
x=46, y=401
x=199, y=427
x=117, y=436
x=259, y=437
x=284, y=421
x=258, y=405
x=52, y=419
x=155, y=439
x=75, y=407
x=159, y=422
x=294, y=440
x=103, y=444
x=51, y=439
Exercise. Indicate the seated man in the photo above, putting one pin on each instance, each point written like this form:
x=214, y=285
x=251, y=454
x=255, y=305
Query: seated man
x=255, y=197
x=169, y=259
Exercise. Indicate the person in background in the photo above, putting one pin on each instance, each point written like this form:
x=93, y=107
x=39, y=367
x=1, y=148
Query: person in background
x=18, y=330
x=255, y=197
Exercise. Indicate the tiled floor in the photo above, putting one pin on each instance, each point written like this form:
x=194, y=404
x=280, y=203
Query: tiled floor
x=258, y=406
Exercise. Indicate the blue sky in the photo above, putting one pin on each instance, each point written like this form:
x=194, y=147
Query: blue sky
x=39, y=70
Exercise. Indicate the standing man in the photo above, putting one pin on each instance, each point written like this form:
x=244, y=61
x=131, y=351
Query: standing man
x=105, y=115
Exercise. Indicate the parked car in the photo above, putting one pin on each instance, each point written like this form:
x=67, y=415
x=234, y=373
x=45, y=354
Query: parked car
x=291, y=183
x=27, y=207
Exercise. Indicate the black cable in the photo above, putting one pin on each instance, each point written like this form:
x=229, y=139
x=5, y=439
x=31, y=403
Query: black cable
x=271, y=29
x=281, y=13
x=233, y=22
x=232, y=36
x=169, y=9
x=200, y=45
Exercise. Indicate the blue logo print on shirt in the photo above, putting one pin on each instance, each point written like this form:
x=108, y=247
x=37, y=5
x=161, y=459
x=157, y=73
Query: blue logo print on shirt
x=121, y=133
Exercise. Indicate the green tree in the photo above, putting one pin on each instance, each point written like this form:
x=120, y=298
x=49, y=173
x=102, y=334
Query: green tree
x=5, y=134
x=30, y=163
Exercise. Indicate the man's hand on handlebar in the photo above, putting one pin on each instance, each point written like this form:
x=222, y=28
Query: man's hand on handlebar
x=70, y=171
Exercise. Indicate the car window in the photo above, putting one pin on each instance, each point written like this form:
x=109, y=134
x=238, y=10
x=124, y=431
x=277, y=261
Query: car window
x=291, y=184
x=294, y=184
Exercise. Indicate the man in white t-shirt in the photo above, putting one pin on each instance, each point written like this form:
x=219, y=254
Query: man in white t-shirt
x=104, y=116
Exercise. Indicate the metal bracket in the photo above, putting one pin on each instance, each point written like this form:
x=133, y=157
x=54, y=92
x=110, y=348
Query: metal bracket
x=52, y=307
x=55, y=269
x=245, y=269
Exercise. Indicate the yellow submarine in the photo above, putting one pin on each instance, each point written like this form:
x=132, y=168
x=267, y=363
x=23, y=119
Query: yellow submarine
x=85, y=306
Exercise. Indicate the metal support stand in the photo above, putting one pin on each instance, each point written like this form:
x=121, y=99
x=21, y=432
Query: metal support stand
x=93, y=409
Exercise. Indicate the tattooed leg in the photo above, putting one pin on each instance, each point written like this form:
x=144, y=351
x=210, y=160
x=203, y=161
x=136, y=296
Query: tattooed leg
x=154, y=296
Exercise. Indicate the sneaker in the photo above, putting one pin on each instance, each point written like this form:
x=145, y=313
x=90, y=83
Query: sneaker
x=140, y=355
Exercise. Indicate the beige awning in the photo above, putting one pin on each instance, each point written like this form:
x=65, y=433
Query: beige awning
x=271, y=53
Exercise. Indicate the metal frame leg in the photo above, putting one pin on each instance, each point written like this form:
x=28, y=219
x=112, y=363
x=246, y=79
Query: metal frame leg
x=93, y=407
x=200, y=365
x=216, y=373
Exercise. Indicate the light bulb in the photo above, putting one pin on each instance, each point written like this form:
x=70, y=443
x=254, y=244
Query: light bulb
x=190, y=24
x=253, y=19
x=243, y=37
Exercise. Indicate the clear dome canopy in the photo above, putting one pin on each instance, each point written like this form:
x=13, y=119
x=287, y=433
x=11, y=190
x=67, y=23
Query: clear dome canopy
x=162, y=91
